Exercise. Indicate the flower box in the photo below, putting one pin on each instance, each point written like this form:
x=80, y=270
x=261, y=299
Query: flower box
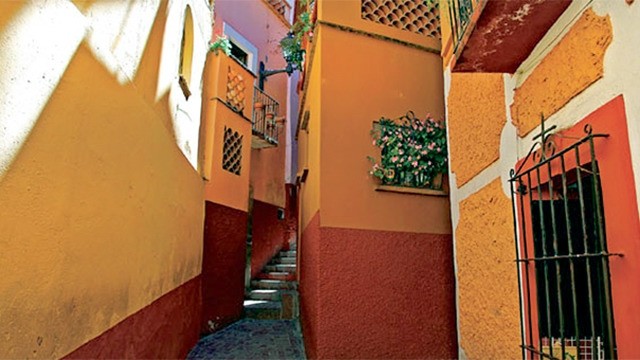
x=413, y=152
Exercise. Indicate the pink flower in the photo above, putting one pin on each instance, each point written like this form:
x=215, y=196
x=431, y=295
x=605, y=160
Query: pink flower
x=431, y=146
x=415, y=164
x=400, y=152
x=394, y=159
x=409, y=158
x=423, y=152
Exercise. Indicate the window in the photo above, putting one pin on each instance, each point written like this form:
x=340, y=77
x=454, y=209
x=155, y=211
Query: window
x=186, y=53
x=562, y=256
x=242, y=49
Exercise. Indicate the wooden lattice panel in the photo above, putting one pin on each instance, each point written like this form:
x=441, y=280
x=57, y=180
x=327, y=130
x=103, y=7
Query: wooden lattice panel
x=278, y=5
x=232, y=151
x=410, y=15
x=235, y=90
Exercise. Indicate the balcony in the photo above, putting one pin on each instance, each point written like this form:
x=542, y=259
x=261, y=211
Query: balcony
x=497, y=35
x=264, y=120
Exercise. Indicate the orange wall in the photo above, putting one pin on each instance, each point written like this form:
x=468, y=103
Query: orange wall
x=348, y=13
x=488, y=308
x=475, y=122
x=309, y=140
x=377, y=78
x=571, y=67
x=224, y=187
x=264, y=29
x=101, y=212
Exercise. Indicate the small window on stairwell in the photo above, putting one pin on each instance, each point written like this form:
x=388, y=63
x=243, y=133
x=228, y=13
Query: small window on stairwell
x=242, y=49
x=186, y=53
x=239, y=54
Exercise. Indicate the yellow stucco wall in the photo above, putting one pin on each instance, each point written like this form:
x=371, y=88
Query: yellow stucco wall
x=576, y=62
x=487, y=280
x=476, y=116
x=309, y=140
x=101, y=213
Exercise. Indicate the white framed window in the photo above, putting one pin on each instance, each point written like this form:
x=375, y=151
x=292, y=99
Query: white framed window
x=241, y=48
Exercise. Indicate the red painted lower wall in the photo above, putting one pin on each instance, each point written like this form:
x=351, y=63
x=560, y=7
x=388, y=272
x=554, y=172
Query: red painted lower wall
x=223, y=266
x=268, y=235
x=377, y=294
x=167, y=328
x=308, y=284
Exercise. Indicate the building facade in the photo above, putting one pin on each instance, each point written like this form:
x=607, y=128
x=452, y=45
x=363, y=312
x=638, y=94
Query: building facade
x=376, y=276
x=544, y=144
x=100, y=184
x=249, y=217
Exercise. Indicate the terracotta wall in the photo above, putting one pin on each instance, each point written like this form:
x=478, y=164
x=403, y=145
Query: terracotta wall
x=102, y=212
x=269, y=235
x=223, y=266
x=384, y=294
x=264, y=29
x=376, y=272
x=492, y=118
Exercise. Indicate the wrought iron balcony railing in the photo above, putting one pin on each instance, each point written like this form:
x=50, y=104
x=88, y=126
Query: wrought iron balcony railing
x=460, y=15
x=265, y=112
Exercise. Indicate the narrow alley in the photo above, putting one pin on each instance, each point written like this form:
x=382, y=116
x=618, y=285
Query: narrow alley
x=321, y=179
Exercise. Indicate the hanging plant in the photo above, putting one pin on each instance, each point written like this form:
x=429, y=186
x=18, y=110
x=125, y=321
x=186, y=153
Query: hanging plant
x=291, y=44
x=221, y=43
x=413, y=152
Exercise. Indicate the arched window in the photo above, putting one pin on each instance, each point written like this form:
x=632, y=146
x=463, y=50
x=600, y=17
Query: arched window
x=186, y=52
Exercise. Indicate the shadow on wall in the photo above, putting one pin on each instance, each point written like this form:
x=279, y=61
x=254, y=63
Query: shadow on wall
x=101, y=213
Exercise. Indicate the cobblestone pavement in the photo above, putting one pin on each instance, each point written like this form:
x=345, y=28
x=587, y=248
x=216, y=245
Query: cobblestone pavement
x=253, y=339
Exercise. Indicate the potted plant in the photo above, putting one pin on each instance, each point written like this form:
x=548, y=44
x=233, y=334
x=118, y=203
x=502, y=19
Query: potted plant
x=413, y=152
x=221, y=43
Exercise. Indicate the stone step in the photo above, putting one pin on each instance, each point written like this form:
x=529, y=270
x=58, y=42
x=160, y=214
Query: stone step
x=286, y=308
x=285, y=276
x=290, y=253
x=283, y=260
x=274, y=284
x=290, y=268
x=262, y=309
x=263, y=294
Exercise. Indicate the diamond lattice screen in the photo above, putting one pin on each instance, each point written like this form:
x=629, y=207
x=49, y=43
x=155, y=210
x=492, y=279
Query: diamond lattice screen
x=232, y=151
x=235, y=90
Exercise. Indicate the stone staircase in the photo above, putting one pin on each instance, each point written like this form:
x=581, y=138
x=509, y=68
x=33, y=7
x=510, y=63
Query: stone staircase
x=274, y=293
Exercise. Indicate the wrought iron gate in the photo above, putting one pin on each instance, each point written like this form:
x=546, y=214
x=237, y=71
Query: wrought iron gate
x=561, y=251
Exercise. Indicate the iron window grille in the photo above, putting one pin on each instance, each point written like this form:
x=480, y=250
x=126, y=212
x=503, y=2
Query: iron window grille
x=561, y=255
x=232, y=151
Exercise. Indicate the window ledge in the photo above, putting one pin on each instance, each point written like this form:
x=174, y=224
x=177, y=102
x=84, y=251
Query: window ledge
x=410, y=190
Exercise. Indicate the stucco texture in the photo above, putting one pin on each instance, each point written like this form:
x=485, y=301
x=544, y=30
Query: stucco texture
x=476, y=116
x=259, y=25
x=150, y=332
x=487, y=280
x=223, y=266
x=575, y=62
x=378, y=294
x=380, y=78
x=101, y=213
x=269, y=234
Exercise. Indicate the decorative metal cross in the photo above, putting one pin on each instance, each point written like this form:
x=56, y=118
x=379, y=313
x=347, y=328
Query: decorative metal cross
x=544, y=135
